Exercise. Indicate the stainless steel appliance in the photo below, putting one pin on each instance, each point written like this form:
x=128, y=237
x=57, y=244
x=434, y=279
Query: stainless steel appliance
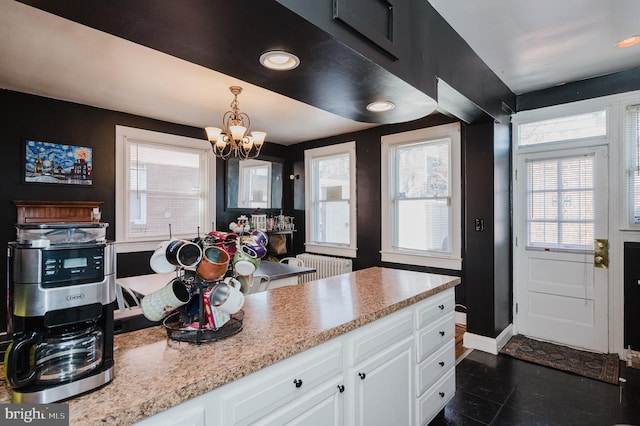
x=61, y=281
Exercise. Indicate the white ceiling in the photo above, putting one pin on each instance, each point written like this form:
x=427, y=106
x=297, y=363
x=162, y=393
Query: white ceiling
x=537, y=44
x=46, y=55
x=530, y=45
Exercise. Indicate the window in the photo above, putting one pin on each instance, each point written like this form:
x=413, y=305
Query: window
x=632, y=160
x=162, y=188
x=560, y=196
x=255, y=184
x=331, y=200
x=421, y=213
x=572, y=127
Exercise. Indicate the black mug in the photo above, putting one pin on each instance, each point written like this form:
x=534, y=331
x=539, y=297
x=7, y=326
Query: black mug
x=183, y=253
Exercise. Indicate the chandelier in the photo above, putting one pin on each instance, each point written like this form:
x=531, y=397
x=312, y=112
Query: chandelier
x=233, y=138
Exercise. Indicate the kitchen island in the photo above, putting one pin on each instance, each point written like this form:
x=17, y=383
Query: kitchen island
x=154, y=373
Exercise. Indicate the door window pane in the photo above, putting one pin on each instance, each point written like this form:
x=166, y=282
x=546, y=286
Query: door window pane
x=561, y=203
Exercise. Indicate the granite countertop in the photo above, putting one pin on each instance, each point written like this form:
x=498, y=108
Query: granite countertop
x=154, y=373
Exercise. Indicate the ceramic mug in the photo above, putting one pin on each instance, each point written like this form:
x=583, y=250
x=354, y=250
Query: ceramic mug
x=246, y=282
x=214, y=263
x=227, y=297
x=260, y=237
x=245, y=264
x=183, y=253
x=254, y=249
x=161, y=303
x=159, y=262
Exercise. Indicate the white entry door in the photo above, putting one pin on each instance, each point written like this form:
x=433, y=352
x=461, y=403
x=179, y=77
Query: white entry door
x=560, y=292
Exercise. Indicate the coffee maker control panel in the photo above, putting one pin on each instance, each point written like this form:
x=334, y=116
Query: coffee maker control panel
x=72, y=266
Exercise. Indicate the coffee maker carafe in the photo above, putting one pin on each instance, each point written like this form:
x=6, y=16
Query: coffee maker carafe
x=62, y=280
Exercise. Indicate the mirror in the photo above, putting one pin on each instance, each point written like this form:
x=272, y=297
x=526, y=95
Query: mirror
x=253, y=184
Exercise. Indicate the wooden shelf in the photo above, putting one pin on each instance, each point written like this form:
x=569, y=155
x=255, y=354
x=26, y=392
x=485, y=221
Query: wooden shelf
x=55, y=211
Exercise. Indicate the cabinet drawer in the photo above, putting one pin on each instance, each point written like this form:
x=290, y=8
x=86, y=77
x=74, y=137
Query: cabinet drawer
x=434, y=336
x=435, y=307
x=247, y=401
x=436, y=398
x=380, y=335
x=433, y=367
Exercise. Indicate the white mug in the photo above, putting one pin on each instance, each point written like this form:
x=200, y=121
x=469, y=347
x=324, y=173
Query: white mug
x=161, y=303
x=227, y=296
x=159, y=262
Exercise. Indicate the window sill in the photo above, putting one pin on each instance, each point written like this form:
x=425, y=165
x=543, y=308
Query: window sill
x=331, y=250
x=420, y=260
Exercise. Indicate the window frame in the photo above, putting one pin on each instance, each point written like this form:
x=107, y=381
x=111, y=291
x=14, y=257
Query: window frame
x=452, y=261
x=344, y=250
x=126, y=243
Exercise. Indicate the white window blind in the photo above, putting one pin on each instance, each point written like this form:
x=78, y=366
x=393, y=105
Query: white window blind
x=632, y=160
x=560, y=197
x=165, y=189
x=421, y=196
x=330, y=180
x=331, y=200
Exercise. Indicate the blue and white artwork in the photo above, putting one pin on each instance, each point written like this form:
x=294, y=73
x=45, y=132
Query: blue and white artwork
x=47, y=162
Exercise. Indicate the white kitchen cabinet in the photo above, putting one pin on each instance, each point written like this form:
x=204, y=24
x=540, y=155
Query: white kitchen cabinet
x=189, y=413
x=397, y=370
x=324, y=406
x=254, y=397
x=382, y=391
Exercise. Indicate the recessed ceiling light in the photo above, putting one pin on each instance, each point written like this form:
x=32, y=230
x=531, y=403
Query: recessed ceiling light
x=279, y=60
x=628, y=42
x=381, y=106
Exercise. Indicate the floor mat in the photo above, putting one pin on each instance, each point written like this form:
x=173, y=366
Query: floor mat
x=603, y=367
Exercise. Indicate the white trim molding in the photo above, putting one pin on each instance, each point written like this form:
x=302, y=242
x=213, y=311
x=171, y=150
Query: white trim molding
x=488, y=344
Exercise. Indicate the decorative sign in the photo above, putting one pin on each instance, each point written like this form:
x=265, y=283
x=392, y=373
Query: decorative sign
x=47, y=162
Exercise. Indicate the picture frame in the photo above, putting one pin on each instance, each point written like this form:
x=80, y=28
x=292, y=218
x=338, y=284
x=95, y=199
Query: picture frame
x=59, y=164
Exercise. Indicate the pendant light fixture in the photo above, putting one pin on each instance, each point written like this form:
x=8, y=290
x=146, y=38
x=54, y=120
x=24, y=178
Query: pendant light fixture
x=233, y=138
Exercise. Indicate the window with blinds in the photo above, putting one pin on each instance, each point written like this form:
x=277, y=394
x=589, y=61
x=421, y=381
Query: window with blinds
x=165, y=189
x=632, y=161
x=331, y=200
x=560, y=196
x=421, y=196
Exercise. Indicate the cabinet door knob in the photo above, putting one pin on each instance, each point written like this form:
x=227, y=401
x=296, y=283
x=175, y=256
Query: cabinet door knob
x=441, y=307
x=297, y=382
x=441, y=363
x=362, y=375
x=341, y=388
x=442, y=333
x=441, y=394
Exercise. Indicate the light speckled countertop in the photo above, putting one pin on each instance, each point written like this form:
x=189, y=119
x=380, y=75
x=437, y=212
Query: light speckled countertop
x=154, y=373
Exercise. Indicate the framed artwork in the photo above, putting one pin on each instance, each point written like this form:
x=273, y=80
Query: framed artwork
x=46, y=162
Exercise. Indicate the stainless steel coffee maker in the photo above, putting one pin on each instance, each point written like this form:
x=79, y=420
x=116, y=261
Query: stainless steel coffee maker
x=61, y=281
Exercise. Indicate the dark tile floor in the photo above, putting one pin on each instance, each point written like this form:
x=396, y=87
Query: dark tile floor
x=500, y=390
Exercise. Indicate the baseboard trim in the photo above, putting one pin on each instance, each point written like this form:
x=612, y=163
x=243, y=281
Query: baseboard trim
x=461, y=318
x=488, y=344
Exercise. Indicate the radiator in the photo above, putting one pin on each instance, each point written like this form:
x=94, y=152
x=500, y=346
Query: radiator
x=326, y=266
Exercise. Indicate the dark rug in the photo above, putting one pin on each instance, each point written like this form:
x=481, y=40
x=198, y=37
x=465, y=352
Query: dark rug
x=603, y=367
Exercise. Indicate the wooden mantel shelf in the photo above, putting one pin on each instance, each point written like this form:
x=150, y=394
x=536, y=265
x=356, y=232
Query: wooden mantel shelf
x=55, y=211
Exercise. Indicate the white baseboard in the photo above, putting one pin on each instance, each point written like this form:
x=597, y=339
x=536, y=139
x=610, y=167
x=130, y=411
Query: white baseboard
x=488, y=344
x=461, y=318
